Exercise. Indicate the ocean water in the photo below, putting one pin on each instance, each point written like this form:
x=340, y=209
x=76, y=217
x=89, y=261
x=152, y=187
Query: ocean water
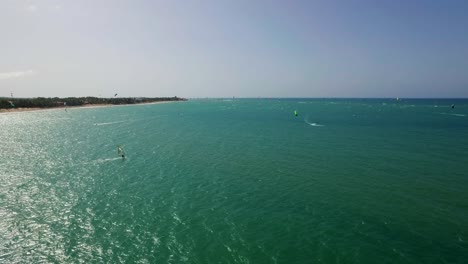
x=237, y=181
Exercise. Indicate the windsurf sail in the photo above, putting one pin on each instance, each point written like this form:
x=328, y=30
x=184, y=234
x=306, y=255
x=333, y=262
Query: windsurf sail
x=120, y=150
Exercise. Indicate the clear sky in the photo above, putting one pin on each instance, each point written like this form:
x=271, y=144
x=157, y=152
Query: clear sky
x=242, y=48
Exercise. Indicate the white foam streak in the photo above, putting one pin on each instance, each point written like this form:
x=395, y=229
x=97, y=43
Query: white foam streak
x=108, y=123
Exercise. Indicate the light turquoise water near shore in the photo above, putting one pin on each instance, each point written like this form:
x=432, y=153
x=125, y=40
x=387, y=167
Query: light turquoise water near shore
x=237, y=181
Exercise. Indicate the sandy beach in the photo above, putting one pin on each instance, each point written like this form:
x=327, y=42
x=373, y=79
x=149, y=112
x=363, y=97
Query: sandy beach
x=34, y=109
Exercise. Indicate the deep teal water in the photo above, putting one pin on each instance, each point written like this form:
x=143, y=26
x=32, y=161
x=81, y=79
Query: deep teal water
x=237, y=181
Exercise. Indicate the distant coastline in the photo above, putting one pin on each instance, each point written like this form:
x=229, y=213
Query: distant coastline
x=8, y=105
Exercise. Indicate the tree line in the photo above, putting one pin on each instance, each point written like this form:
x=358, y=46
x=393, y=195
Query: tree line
x=49, y=102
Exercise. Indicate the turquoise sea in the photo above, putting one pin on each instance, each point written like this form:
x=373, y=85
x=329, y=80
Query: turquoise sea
x=237, y=181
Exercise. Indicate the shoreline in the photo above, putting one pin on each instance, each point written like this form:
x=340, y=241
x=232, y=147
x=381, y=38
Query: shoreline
x=89, y=106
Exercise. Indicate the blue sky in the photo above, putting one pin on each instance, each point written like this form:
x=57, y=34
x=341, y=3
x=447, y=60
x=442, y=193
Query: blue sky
x=234, y=48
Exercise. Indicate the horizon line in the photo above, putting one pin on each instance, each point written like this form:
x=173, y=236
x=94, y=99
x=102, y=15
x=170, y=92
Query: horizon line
x=256, y=97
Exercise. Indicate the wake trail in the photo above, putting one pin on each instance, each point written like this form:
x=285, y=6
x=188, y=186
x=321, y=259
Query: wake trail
x=312, y=124
x=453, y=114
x=109, y=123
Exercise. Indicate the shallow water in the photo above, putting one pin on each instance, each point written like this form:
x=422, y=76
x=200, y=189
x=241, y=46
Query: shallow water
x=237, y=181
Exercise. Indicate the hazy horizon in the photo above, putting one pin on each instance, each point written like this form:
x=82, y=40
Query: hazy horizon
x=253, y=97
x=246, y=49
